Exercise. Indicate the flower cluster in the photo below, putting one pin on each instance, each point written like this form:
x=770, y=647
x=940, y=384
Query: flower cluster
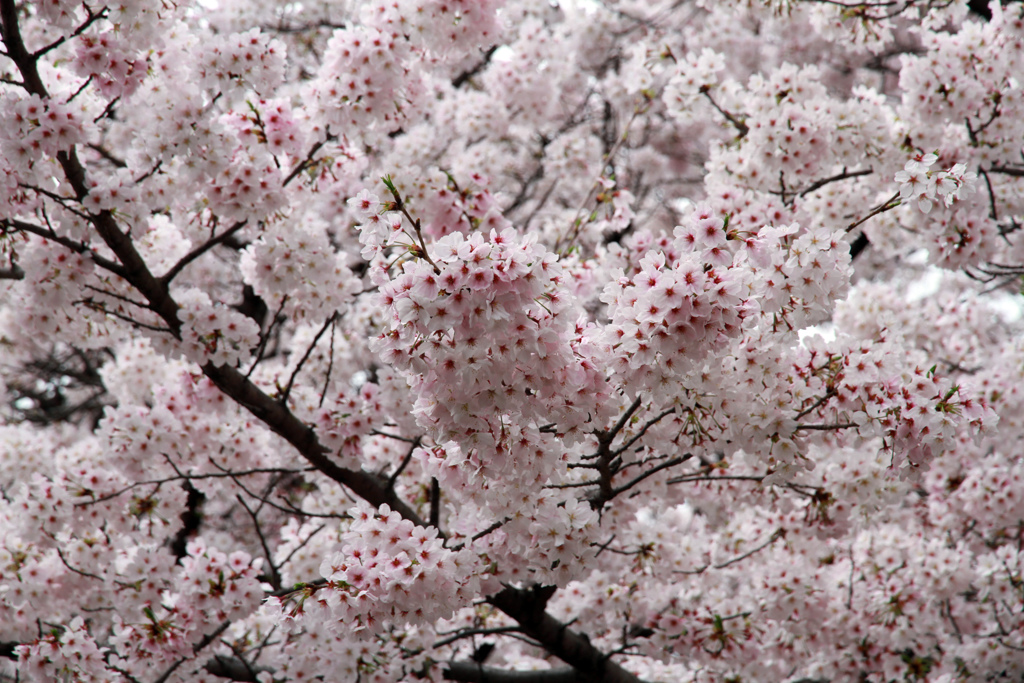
x=66, y=653
x=925, y=418
x=360, y=83
x=694, y=75
x=32, y=126
x=679, y=305
x=481, y=323
x=441, y=26
x=50, y=293
x=212, y=587
x=115, y=192
x=250, y=60
x=248, y=187
x=918, y=183
x=272, y=122
x=390, y=571
x=210, y=333
x=116, y=70
x=343, y=421
x=451, y=209
x=296, y=265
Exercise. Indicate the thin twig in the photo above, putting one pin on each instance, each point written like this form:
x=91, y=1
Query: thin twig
x=283, y=398
x=890, y=203
x=826, y=396
x=275, y=575
x=817, y=185
x=476, y=632
x=779, y=533
x=654, y=470
x=265, y=337
x=405, y=462
x=826, y=428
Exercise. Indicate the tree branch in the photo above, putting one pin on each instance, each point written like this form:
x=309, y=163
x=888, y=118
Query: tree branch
x=191, y=256
x=526, y=606
x=471, y=672
x=458, y=81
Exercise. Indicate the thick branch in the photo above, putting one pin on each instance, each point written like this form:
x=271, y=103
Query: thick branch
x=279, y=419
x=471, y=672
x=283, y=422
x=77, y=247
x=12, y=273
x=233, y=668
x=134, y=267
x=527, y=608
x=477, y=68
x=1008, y=170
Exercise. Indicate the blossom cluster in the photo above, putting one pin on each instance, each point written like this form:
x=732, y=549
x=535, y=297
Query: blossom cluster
x=919, y=183
x=351, y=345
x=210, y=333
x=272, y=122
x=678, y=305
x=440, y=26
x=361, y=83
x=295, y=269
x=248, y=187
x=117, y=70
x=389, y=570
x=34, y=128
x=252, y=59
x=693, y=76
x=480, y=321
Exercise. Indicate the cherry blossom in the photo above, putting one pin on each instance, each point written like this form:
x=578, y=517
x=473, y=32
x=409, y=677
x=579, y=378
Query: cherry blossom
x=419, y=340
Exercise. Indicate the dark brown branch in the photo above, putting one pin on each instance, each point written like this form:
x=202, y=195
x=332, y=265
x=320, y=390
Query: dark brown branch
x=435, y=504
x=191, y=519
x=469, y=633
x=233, y=668
x=817, y=404
x=471, y=672
x=643, y=430
x=92, y=18
x=890, y=203
x=858, y=245
x=265, y=334
x=302, y=361
x=105, y=153
x=826, y=428
x=741, y=128
x=463, y=77
x=301, y=436
x=191, y=256
x=274, y=576
x=13, y=273
x=654, y=470
x=99, y=307
x=526, y=607
x=405, y=463
x=1008, y=170
x=308, y=161
x=77, y=247
x=817, y=185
